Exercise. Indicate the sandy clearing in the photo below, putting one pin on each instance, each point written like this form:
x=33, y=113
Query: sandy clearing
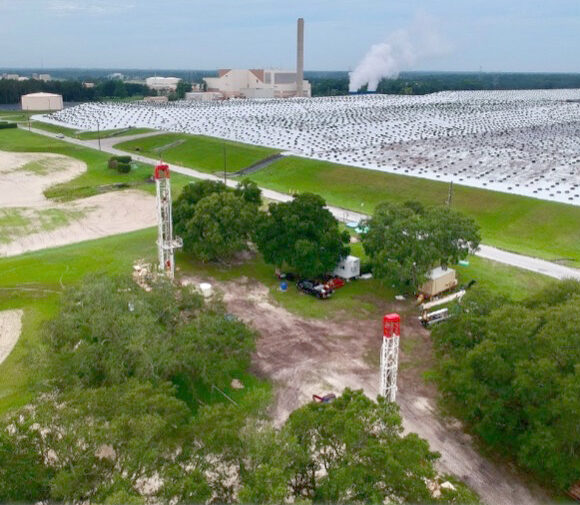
x=100, y=216
x=106, y=214
x=10, y=328
x=308, y=356
x=20, y=188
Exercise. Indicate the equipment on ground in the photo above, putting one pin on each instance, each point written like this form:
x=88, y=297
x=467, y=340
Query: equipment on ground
x=327, y=398
x=441, y=301
x=431, y=318
x=334, y=283
x=313, y=288
x=348, y=268
x=166, y=244
x=390, y=356
x=439, y=280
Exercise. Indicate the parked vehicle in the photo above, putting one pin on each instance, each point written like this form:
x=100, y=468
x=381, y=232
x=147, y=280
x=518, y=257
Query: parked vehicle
x=314, y=288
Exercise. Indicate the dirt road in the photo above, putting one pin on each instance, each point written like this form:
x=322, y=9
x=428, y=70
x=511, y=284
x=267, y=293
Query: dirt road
x=308, y=356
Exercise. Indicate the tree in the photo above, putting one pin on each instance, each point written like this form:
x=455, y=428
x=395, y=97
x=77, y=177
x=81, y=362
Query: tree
x=353, y=451
x=249, y=191
x=404, y=241
x=513, y=371
x=221, y=226
x=182, y=88
x=303, y=235
x=184, y=206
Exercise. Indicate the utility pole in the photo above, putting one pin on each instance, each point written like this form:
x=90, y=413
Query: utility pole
x=450, y=195
x=225, y=165
x=99, y=134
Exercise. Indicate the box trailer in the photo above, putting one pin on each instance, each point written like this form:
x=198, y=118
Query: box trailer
x=439, y=280
x=348, y=268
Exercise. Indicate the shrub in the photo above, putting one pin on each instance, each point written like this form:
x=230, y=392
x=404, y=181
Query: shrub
x=115, y=161
x=123, y=168
x=4, y=126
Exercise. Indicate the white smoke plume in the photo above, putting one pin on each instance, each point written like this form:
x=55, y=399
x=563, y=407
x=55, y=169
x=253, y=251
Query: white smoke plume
x=403, y=49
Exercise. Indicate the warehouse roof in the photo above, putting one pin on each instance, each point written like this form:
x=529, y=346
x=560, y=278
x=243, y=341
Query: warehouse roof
x=42, y=94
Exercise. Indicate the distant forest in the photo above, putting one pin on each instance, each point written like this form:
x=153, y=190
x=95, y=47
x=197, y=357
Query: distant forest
x=68, y=82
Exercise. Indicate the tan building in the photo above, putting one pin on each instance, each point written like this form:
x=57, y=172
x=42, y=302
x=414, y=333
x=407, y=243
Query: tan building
x=256, y=83
x=203, y=96
x=162, y=83
x=156, y=99
x=41, y=101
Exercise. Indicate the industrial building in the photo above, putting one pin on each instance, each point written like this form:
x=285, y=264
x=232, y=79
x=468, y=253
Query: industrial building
x=204, y=96
x=264, y=83
x=162, y=83
x=41, y=101
x=256, y=83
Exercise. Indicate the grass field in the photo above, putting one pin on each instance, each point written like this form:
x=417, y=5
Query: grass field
x=526, y=225
x=88, y=135
x=98, y=177
x=205, y=154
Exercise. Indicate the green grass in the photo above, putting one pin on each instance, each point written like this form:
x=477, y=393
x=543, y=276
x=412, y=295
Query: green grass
x=17, y=222
x=88, y=135
x=205, y=154
x=33, y=282
x=96, y=179
x=526, y=225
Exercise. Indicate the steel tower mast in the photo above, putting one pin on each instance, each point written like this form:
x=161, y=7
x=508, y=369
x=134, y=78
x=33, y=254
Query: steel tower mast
x=166, y=244
x=390, y=356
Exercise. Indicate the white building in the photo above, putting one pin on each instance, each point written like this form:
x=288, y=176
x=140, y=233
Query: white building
x=162, y=83
x=41, y=101
x=256, y=83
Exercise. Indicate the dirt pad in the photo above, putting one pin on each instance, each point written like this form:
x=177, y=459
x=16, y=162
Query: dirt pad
x=24, y=178
x=307, y=356
x=10, y=328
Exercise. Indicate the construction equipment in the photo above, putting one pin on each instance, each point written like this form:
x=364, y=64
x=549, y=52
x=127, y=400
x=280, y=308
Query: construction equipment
x=441, y=301
x=166, y=244
x=431, y=318
x=390, y=356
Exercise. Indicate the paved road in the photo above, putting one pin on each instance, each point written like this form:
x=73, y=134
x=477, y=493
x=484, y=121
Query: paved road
x=532, y=264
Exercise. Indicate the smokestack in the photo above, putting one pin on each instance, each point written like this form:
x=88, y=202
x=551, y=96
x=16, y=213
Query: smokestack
x=300, y=58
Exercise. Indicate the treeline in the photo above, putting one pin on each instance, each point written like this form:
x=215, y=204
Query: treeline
x=416, y=83
x=71, y=91
x=512, y=370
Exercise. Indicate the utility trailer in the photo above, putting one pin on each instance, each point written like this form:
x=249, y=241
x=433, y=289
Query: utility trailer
x=348, y=268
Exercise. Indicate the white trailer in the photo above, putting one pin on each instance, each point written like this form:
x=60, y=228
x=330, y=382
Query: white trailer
x=348, y=268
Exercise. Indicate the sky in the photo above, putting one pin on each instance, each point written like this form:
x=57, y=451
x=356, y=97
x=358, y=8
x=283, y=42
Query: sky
x=488, y=35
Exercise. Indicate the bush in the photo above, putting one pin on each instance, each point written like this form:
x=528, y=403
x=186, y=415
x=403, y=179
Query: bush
x=123, y=168
x=4, y=126
x=115, y=160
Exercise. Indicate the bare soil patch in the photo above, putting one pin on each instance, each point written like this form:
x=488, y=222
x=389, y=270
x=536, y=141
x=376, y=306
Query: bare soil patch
x=304, y=356
x=10, y=328
x=29, y=221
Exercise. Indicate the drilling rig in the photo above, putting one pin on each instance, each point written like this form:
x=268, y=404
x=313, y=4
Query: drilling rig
x=390, y=356
x=166, y=244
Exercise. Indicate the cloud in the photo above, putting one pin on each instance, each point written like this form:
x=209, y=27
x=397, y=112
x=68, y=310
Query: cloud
x=93, y=7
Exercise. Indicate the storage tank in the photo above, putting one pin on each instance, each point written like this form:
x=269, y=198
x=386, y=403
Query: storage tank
x=41, y=102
